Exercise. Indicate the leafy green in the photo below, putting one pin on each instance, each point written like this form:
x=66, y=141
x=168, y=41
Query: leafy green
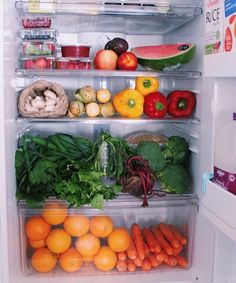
x=175, y=179
x=61, y=166
x=176, y=151
x=151, y=151
x=86, y=188
x=110, y=155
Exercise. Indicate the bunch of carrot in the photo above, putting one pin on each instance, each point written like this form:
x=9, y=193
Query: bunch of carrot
x=150, y=247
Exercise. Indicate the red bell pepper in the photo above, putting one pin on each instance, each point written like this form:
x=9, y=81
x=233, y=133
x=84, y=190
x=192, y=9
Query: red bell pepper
x=181, y=103
x=155, y=105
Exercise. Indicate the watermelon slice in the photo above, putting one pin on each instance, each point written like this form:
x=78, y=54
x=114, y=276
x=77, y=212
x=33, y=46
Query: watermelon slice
x=164, y=57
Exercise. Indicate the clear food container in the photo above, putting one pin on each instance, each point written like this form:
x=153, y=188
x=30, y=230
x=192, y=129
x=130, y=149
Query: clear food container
x=39, y=62
x=37, y=34
x=78, y=50
x=73, y=64
x=36, y=22
x=89, y=241
x=38, y=48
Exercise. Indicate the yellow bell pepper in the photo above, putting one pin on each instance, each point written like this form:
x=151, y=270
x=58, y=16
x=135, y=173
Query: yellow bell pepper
x=146, y=85
x=129, y=103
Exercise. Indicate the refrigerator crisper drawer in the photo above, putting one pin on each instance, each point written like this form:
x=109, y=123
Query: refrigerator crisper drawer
x=113, y=230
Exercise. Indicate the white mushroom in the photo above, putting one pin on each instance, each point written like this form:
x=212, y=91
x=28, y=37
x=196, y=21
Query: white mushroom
x=50, y=95
x=30, y=108
x=38, y=103
x=51, y=102
x=49, y=108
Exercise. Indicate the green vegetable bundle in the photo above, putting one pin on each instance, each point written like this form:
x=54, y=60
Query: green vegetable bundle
x=59, y=166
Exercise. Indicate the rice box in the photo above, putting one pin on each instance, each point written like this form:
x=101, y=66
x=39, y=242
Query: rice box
x=214, y=26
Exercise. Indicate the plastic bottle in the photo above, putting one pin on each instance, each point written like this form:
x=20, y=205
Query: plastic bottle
x=225, y=157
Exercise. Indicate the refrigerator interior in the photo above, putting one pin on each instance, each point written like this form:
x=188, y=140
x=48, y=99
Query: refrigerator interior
x=207, y=266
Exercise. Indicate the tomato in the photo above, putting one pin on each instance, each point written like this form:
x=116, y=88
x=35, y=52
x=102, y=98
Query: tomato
x=127, y=61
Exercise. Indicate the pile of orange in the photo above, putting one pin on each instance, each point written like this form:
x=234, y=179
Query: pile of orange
x=53, y=233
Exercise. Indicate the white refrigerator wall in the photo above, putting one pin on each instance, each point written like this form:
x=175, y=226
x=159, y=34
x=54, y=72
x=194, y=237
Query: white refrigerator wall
x=199, y=136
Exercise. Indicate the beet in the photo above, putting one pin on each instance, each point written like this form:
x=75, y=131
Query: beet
x=139, y=180
x=118, y=45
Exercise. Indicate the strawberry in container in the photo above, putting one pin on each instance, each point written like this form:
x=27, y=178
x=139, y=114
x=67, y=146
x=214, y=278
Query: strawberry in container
x=37, y=62
x=73, y=64
x=38, y=48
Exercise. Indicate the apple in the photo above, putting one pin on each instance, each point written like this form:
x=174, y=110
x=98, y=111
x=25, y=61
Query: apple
x=127, y=61
x=105, y=60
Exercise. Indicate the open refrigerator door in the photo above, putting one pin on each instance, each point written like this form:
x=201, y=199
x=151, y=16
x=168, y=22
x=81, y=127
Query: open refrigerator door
x=40, y=42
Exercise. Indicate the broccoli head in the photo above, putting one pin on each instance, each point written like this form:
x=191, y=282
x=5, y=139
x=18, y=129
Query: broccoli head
x=151, y=151
x=176, y=151
x=174, y=179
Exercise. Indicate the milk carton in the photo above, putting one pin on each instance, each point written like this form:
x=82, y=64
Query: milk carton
x=214, y=26
x=229, y=25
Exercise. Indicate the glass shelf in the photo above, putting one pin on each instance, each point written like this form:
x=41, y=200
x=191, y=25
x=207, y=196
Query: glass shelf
x=107, y=73
x=137, y=17
x=100, y=120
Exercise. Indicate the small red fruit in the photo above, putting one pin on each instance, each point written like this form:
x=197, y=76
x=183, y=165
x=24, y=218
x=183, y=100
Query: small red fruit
x=29, y=64
x=127, y=61
x=41, y=63
x=105, y=60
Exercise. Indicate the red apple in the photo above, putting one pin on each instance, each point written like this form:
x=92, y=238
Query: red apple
x=105, y=60
x=127, y=61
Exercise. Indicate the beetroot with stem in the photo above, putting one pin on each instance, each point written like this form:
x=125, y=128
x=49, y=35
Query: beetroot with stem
x=140, y=178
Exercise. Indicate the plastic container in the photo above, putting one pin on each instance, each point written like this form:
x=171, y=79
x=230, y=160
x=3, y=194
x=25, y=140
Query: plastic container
x=73, y=64
x=180, y=213
x=78, y=50
x=36, y=22
x=38, y=48
x=37, y=34
x=225, y=156
x=39, y=62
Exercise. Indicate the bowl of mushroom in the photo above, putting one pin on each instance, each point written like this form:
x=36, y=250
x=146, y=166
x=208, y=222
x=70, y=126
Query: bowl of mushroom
x=43, y=99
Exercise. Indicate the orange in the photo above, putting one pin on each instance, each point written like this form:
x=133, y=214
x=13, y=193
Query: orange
x=55, y=213
x=58, y=241
x=43, y=260
x=119, y=239
x=88, y=245
x=88, y=258
x=76, y=225
x=101, y=226
x=37, y=244
x=105, y=259
x=71, y=260
x=37, y=229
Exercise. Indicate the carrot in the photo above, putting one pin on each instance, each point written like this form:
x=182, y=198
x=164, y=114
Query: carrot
x=138, y=240
x=131, y=251
x=172, y=261
x=146, y=265
x=153, y=261
x=178, y=250
x=131, y=266
x=178, y=235
x=146, y=249
x=169, y=235
x=151, y=240
x=121, y=256
x=121, y=265
x=138, y=262
x=162, y=241
x=182, y=262
x=161, y=257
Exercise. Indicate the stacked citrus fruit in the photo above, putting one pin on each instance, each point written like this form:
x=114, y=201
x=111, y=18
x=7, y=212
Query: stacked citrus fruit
x=70, y=241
